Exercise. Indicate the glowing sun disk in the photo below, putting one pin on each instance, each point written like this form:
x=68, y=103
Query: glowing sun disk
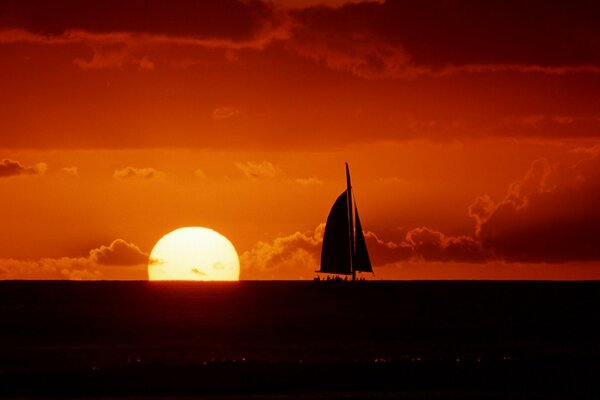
x=194, y=253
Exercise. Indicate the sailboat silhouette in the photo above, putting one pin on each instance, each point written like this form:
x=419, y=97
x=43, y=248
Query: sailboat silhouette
x=344, y=247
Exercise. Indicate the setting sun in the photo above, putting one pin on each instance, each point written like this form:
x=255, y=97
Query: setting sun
x=194, y=254
x=181, y=182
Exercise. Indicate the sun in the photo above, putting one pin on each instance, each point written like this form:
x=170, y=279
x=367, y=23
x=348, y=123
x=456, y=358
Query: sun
x=194, y=254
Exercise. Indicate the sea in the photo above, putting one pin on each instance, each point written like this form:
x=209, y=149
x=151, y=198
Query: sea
x=300, y=339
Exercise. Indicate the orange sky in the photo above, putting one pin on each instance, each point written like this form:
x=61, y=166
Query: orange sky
x=471, y=128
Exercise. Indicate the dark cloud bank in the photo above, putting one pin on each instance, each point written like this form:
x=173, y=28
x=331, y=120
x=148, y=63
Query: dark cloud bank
x=223, y=19
x=396, y=40
x=551, y=215
x=368, y=39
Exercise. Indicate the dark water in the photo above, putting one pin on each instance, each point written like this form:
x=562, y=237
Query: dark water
x=301, y=339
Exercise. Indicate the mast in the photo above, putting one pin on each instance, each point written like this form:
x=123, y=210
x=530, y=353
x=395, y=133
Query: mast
x=344, y=249
x=350, y=221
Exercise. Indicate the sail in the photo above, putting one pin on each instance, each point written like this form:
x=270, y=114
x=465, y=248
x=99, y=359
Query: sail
x=335, y=255
x=361, y=261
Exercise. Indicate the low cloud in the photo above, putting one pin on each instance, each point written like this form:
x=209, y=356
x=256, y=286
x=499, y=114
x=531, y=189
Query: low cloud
x=10, y=168
x=119, y=252
x=430, y=245
x=72, y=171
x=309, y=181
x=221, y=113
x=260, y=170
x=550, y=215
x=295, y=256
x=138, y=173
x=49, y=268
x=119, y=260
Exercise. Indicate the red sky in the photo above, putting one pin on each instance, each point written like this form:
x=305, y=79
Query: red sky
x=472, y=131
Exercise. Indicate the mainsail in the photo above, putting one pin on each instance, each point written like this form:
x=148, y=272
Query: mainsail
x=344, y=247
x=335, y=255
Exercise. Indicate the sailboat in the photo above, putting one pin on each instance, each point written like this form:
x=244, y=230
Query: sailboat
x=344, y=247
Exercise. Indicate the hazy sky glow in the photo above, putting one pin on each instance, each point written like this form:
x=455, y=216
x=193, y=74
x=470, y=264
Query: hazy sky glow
x=471, y=128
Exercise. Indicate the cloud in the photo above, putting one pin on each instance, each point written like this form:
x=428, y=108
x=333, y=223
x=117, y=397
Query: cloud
x=405, y=39
x=590, y=151
x=119, y=260
x=105, y=57
x=10, y=168
x=430, y=245
x=138, y=173
x=293, y=256
x=361, y=54
x=260, y=170
x=503, y=68
x=226, y=23
x=268, y=170
x=550, y=215
x=424, y=245
x=297, y=256
x=295, y=4
x=545, y=125
x=114, y=56
x=370, y=39
x=309, y=181
x=72, y=171
x=119, y=252
x=130, y=33
x=49, y=268
x=225, y=113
